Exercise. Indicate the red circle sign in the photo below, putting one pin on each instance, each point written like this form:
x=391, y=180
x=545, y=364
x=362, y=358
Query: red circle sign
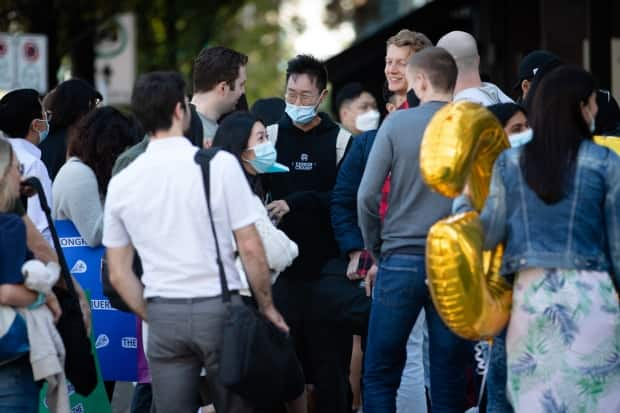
x=31, y=51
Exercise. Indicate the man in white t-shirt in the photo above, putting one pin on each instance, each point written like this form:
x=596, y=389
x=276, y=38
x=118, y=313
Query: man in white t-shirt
x=462, y=46
x=157, y=204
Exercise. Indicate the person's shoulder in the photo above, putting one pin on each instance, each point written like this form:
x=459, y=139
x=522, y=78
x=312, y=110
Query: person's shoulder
x=74, y=166
x=11, y=223
x=122, y=177
x=129, y=155
x=72, y=172
x=224, y=158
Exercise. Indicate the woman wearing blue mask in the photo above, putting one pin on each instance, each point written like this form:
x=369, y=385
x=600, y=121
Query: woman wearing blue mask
x=245, y=136
x=513, y=118
x=25, y=123
x=554, y=204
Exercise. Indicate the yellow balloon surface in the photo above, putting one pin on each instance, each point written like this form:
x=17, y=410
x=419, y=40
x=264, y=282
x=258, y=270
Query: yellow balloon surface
x=460, y=146
x=612, y=142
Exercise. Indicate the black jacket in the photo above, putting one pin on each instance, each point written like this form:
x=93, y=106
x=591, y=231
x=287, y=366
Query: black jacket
x=311, y=157
x=54, y=151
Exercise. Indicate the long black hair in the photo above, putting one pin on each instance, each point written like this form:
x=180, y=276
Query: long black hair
x=233, y=135
x=548, y=160
x=70, y=101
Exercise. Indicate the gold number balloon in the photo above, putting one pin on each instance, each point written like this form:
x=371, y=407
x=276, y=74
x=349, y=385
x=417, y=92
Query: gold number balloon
x=460, y=146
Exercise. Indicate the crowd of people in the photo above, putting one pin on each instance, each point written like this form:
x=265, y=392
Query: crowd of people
x=321, y=226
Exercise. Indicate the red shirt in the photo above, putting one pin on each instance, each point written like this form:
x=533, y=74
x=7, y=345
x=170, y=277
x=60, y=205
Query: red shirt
x=385, y=191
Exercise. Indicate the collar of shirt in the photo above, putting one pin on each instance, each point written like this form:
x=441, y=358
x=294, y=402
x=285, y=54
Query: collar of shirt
x=24, y=145
x=165, y=144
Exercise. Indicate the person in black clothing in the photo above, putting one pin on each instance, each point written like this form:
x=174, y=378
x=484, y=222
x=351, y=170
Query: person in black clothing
x=309, y=143
x=68, y=103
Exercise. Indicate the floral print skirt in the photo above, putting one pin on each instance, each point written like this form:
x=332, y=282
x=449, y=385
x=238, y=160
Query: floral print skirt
x=563, y=343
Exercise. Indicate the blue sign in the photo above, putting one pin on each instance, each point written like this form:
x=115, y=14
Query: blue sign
x=114, y=331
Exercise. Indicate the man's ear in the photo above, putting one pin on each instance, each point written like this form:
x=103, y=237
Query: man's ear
x=179, y=110
x=525, y=87
x=343, y=112
x=324, y=95
x=222, y=88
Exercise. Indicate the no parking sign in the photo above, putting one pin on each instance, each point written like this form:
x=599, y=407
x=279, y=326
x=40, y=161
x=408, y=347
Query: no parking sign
x=23, y=62
x=32, y=62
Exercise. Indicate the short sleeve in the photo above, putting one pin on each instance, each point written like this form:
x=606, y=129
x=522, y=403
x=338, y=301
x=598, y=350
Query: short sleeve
x=238, y=196
x=12, y=248
x=114, y=232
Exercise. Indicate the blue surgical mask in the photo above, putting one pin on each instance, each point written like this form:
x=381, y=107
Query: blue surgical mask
x=265, y=161
x=521, y=138
x=43, y=134
x=301, y=115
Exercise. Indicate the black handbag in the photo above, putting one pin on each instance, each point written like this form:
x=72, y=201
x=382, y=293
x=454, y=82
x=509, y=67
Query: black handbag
x=255, y=356
x=80, y=367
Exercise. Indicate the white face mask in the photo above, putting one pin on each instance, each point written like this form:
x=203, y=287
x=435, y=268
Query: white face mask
x=367, y=120
x=521, y=138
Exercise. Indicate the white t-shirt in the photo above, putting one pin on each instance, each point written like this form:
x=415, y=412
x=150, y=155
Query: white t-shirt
x=30, y=156
x=158, y=204
x=486, y=95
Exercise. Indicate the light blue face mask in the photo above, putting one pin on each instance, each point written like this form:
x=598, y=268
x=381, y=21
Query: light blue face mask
x=521, y=138
x=301, y=115
x=265, y=161
x=43, y=134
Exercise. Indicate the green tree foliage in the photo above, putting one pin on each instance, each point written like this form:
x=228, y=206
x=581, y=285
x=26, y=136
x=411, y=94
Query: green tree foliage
x=170, y=33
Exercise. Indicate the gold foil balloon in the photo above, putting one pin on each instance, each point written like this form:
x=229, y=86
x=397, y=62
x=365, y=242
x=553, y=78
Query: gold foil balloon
x=460, y=146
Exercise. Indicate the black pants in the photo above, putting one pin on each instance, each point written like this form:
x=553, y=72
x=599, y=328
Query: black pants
x=323, y=346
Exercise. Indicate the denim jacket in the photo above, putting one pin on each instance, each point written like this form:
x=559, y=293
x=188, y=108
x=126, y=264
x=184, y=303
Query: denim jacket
x=581, y=231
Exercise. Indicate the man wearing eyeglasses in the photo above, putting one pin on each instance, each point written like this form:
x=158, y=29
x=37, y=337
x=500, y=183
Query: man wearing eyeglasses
x=311, y=145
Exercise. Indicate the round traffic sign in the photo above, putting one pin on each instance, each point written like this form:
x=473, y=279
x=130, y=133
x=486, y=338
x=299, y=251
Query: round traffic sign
x=31, y=51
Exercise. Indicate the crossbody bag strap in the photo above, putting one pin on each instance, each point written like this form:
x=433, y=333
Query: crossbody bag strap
x=203, y=158
x=64, y=268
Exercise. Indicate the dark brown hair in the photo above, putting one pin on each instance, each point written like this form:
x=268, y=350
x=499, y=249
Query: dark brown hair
x=99, y=138
x=215, y=65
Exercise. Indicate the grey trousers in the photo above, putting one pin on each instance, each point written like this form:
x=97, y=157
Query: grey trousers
x=185, y=336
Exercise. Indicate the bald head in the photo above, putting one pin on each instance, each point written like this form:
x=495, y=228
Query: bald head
x=462, y=46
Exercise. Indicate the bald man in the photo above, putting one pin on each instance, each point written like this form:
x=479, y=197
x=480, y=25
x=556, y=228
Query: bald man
x=462, y=46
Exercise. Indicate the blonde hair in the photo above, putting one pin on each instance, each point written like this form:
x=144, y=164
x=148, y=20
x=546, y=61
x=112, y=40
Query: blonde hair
x=407, y=38
x=7, y=200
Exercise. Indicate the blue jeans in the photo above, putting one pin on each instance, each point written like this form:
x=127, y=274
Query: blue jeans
x=19, y=393
x=399, y=295
x=497, y=399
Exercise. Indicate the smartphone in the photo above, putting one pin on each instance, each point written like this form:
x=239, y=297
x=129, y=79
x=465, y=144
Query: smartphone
x=364, y=263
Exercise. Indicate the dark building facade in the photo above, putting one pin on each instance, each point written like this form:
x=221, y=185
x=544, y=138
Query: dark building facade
x=506, y=30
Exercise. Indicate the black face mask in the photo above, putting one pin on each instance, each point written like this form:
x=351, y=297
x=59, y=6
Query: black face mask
x=412, y=99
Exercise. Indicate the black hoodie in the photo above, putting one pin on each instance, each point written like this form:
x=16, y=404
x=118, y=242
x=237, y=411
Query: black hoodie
x=311, y=157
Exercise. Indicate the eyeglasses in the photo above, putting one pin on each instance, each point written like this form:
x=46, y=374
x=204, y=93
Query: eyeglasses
x=306, y=99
